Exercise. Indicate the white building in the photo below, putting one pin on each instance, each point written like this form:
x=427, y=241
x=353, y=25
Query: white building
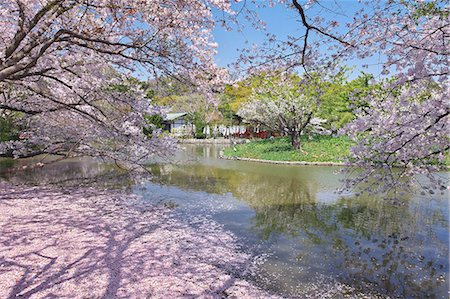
x=176, y=123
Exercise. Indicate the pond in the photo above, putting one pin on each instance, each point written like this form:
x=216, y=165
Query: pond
x=310, y=236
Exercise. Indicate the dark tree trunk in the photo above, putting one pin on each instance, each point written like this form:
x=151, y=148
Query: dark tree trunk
x=295, y=140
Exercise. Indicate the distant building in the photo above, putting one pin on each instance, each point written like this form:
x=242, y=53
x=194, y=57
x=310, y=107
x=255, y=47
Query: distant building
x=175, y=122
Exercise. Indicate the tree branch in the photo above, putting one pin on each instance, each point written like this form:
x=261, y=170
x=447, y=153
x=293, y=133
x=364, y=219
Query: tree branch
x=312, y=27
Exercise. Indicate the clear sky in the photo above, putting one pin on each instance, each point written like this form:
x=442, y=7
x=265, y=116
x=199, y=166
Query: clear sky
x=282, y=22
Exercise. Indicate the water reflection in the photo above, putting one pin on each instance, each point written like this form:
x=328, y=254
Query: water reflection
x=68, y=172
x=314, y=235
x=372, y=244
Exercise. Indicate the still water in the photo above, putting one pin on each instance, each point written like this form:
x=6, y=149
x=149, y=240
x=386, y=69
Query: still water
x=312, y=238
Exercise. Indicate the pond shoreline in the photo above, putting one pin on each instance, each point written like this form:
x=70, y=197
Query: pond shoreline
x=87, y=242
x=304, y=163
x=283, y=162
x=212, y=141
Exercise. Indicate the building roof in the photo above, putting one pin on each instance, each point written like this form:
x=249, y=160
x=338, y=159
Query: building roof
x=173, y=116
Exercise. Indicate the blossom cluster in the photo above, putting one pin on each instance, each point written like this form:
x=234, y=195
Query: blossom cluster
x=59, y=59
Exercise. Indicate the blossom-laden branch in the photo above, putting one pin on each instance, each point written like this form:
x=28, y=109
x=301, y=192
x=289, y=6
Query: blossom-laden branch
x=410, y=41
x=409, y=130
x=59, y=60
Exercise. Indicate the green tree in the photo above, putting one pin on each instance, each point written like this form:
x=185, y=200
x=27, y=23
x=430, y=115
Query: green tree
x=199, y=122
x=8, y=129
x=339, y=98
x=154, y=122
x=236, y=95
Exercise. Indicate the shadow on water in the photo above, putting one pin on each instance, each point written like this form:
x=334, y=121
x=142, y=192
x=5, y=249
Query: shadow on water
x=312, y=235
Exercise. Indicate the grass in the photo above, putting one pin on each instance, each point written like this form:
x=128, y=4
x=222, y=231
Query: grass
x=317, y=149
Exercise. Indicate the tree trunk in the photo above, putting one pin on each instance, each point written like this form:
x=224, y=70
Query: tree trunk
x=295, y=140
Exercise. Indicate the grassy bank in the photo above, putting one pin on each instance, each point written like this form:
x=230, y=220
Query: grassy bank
x=317, y=149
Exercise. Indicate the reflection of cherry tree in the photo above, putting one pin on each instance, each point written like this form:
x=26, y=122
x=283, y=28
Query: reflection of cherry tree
x=70, y=172
x=357, y=238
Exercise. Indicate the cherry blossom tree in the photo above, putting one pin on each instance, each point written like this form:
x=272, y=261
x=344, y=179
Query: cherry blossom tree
x=280, y=107
x=405, y=122
x=407, y=129
x=59, y=59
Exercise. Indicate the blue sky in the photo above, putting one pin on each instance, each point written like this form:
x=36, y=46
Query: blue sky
x=279, y=20
x=282, y=22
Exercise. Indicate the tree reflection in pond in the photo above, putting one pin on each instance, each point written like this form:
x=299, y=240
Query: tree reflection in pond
x=316, y=237
x=69, y=172
x=366, y=242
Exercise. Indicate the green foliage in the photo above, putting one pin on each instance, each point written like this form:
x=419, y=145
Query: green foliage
x=154, y=122
x=150, y=94
x=335, y=94
x=133, y=82
x=234, y=96
x=430, y=8
x=316, y=149
x=155, y=119
x=8, y=130
x=332, y=94
x=7, y=163
x=199, y=121
x=123, y=88
x=130, y=83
